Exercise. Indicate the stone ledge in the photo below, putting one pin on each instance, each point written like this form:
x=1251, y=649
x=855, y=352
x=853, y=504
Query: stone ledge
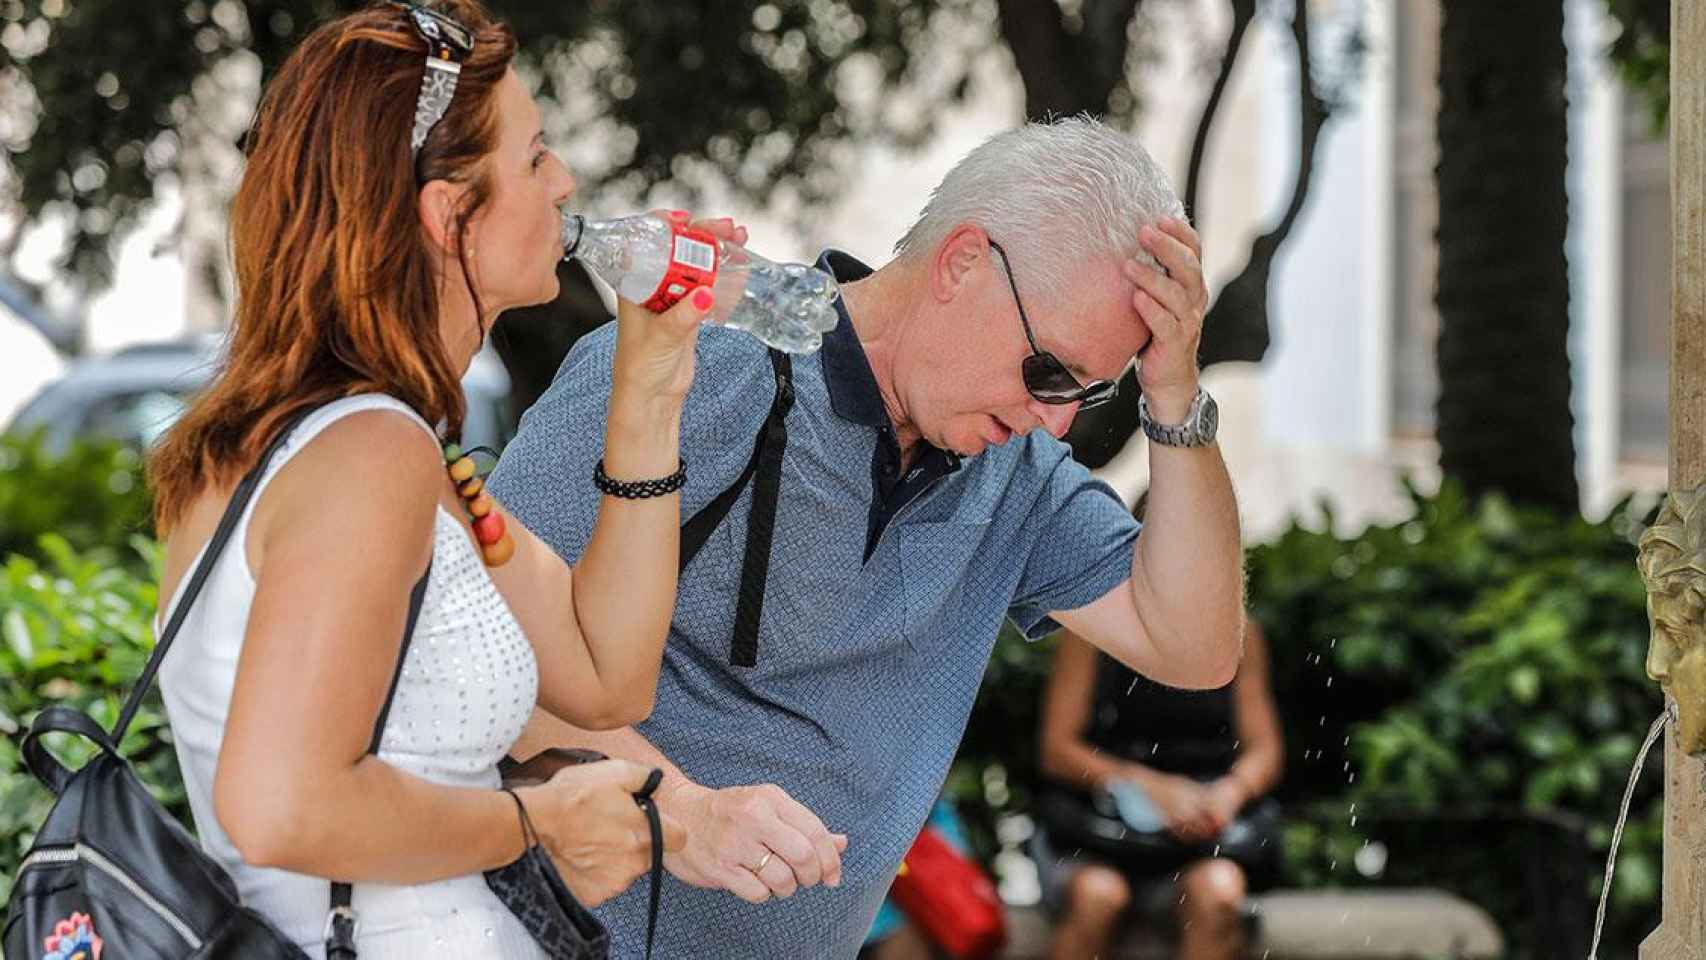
x=1397, y=924
x=1401, y=924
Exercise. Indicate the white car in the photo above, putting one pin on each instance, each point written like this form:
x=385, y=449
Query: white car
x=134, y=395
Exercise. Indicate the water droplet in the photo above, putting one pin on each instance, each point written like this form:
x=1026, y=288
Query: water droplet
x=1371, y=859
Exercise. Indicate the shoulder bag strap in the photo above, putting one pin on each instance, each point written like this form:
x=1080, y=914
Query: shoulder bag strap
x=341, y=924
x=766, y=465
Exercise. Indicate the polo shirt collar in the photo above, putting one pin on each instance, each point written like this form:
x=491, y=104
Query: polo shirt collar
x=853, y=393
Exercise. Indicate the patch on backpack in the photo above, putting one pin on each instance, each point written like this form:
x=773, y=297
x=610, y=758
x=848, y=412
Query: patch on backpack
x=73, y=939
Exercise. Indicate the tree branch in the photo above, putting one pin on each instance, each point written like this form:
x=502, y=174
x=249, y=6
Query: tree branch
x=1243, y=11
x=1034, y=32
x=1237, y=326
x=1107, y=35
x=1312, y=112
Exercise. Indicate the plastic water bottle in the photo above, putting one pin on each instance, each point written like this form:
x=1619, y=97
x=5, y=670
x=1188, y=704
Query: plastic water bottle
x=653, y=261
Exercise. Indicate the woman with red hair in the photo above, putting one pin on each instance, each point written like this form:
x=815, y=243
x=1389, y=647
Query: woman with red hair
x=397, y=197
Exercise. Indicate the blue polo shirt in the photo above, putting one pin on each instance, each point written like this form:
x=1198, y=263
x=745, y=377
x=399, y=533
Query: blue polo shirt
x=885, y=596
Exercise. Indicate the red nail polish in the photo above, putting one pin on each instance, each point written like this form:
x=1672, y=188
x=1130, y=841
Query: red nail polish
x=702, y=299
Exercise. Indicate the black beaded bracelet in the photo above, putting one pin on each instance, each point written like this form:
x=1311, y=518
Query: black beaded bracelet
x=639, y=489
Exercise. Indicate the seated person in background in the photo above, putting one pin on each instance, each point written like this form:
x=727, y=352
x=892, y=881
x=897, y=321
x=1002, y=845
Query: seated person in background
x=1185, y=770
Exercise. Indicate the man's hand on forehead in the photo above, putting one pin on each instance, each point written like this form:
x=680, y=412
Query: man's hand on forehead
x=1172, y=299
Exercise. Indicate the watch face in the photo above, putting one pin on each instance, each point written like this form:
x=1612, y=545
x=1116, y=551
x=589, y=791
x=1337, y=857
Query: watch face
x=1209, y=420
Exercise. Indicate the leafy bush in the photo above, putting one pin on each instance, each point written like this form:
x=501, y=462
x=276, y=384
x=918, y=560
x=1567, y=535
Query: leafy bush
x=92, y=495
x=1476, y=669
x=75, y=629
x=1480, y=662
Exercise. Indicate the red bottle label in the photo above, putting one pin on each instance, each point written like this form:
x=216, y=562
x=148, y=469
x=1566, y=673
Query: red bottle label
x=692, y=264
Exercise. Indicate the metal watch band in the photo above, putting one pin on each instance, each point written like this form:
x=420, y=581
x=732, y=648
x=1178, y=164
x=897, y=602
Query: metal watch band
x=1197, y=430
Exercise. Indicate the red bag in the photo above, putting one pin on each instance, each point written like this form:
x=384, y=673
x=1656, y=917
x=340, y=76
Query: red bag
x=950, y=898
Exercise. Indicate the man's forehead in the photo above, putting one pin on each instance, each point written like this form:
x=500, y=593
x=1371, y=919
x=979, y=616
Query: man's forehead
x=1106, y=330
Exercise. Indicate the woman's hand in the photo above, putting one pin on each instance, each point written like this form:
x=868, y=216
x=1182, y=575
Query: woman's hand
x=592, y=828
x=654, y=351
x=1184, y=805
x=1225, y=798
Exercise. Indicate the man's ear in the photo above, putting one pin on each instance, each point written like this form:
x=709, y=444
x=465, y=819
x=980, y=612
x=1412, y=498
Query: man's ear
x=963, y=252
x=438, y=204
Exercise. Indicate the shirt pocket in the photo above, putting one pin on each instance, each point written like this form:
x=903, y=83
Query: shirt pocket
x=942, y=567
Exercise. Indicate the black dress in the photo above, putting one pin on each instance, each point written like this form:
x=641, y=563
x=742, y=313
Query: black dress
x=1189, y=733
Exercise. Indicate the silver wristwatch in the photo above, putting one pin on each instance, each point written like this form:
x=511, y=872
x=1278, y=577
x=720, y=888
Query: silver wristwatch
x=1199, y=428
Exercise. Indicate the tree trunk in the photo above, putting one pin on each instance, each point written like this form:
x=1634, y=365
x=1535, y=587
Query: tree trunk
x=1504, y=369
x=1067, y=71
x=1239, y=316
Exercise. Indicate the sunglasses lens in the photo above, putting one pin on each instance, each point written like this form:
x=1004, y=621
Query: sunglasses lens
x=459, y=36
x=1049, y=381
x=438, y=28
x=1100, y=392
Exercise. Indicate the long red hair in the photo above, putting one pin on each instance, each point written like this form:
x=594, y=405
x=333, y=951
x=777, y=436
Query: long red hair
x=336, y=280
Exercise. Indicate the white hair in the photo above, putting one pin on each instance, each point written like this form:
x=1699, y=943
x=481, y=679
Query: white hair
x=1055, y=195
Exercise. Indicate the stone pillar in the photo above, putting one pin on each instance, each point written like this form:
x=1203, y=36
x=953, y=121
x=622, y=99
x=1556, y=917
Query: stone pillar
x=1682, y=930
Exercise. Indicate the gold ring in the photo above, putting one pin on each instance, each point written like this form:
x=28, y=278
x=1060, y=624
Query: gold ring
x=764, y=862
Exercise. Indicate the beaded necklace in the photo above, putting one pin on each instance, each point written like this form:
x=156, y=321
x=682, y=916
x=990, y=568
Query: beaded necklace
x=496, y=545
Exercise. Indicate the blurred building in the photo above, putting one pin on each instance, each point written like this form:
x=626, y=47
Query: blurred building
x=1345, y=400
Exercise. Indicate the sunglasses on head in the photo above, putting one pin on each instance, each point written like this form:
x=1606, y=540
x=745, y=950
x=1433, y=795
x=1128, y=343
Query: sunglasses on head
x=1046, y=378
x=448, y=44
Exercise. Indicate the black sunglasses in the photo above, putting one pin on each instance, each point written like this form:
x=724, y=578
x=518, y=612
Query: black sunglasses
x=448, y=44
x=1046, y=378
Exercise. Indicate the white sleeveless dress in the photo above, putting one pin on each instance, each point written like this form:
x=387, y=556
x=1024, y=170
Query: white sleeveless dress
x=468, y=686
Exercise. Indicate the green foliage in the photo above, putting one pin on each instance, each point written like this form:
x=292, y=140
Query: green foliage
x=1480, y=662
x=124, y=95
x=1474, y=673
x=75, y=630
x=91, y=496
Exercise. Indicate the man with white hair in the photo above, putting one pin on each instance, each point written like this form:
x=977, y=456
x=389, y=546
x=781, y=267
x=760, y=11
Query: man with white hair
x=920, y=494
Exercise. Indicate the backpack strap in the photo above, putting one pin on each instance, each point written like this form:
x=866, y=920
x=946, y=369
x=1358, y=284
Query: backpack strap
x=60, y=719
x=766, y=465
x=240, y=498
